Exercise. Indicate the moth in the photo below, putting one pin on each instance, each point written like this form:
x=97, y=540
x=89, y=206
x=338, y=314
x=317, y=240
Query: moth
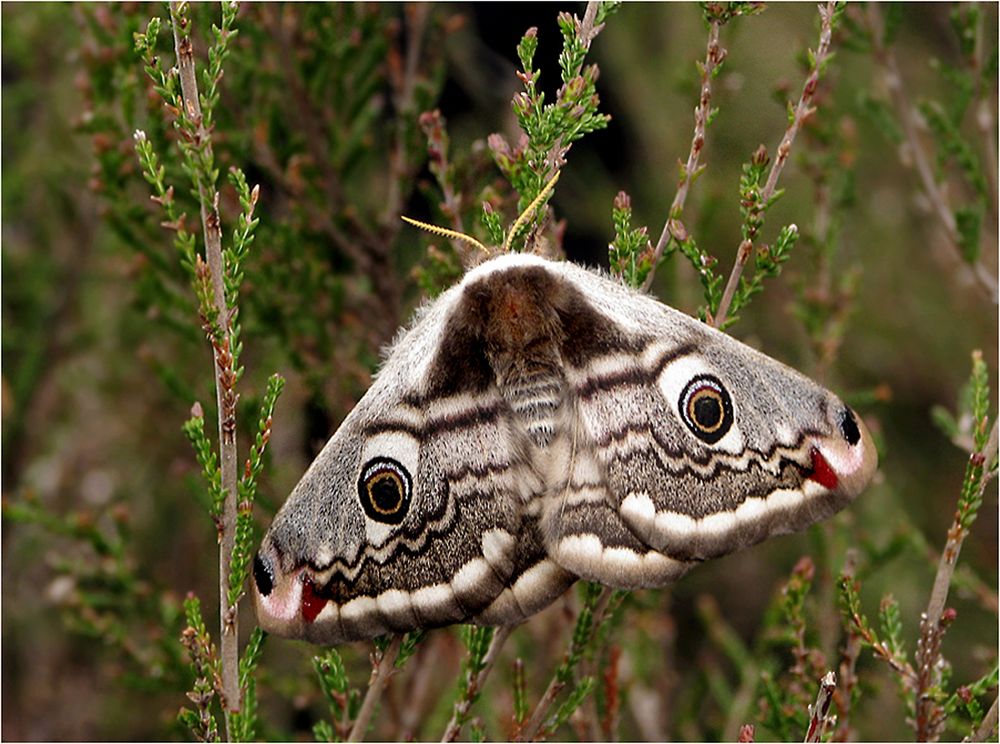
x=539, y=423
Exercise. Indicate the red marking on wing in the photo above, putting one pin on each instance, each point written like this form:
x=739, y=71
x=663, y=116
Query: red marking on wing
x=312, y=603
x=822, y=473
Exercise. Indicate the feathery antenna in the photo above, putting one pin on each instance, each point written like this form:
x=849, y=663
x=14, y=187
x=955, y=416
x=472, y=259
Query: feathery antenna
x=518, y=223
x=445, y=232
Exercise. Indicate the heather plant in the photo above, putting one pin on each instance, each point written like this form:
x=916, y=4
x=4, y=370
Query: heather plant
x=329, y=123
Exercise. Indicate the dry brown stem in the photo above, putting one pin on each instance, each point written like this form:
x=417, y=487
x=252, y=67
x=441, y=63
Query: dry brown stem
x=803, y=110
x=953, y=545
x=936, y=619
x=381, y=671
x=475, y=686
x=848, y=664
x=421, y=694
x=743, y=254
x=937, y=198
x=819, y=712
x=714, y=56
x=404, y=83
x=314, y=125
x=537, y=717
x=531, y=728
x=225, y=396
x=987, y=729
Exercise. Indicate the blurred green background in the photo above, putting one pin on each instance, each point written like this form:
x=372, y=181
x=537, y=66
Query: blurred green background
x=99, y=370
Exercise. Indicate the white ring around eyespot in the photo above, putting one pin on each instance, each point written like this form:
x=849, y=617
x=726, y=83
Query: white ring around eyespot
x=404, y=449
x=672, y=381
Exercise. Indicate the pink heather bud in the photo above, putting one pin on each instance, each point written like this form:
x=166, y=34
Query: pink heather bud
x=677, y=230
x=498, y=145
x=805, y=568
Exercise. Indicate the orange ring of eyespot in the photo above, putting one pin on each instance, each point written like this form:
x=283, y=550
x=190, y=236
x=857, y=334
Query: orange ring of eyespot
x=374, y=479
x=697, y=395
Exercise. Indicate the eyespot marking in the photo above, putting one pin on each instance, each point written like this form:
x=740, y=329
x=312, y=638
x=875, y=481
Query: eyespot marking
x=384, y=490
x=706, y=408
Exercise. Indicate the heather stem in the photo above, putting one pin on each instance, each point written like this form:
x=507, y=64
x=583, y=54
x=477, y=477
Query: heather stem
x=476, y=683
x=714, y=55
x=376, y=686
x=987, y=729
x=936, y=196
x=229, y=617
x=819, y=712
x=956, y=536
x=803, y=109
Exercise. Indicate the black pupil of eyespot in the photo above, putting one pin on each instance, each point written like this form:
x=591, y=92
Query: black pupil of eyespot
x=386, y=492
x=707, y=410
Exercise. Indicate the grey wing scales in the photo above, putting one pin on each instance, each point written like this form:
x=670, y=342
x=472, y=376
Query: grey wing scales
x=702, y=444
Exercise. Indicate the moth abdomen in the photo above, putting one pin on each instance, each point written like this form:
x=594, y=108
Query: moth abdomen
x=535, y=402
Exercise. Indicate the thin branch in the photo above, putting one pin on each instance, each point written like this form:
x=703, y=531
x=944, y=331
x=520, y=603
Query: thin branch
x=224, y=377
x=376, y=686
x=984, y=109
x=433, y=125
x=930, y=718
x=404, y=85
x=538, y=716
x=316, y=127
x=819, y=712
x=803, y=110
x=848, y=679
x=956, y=536
x=714, y=56
x=534, y=723
x=987, y=729
x=848, y=682
x=587, y=30
x=936, y=196
x=475, y=685
x=743, y=254
x=420, y=691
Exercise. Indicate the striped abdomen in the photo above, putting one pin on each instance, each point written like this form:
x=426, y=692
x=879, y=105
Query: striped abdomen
x=535, y=401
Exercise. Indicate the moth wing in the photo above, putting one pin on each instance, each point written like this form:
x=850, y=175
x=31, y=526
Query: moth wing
x=344, y=561
x=696, y=443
